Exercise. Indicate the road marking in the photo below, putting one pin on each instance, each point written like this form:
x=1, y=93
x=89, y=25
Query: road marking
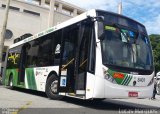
x=23, y=107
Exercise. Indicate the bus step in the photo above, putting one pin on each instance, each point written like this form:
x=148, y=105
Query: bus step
x=72, y=94
x=80, y=92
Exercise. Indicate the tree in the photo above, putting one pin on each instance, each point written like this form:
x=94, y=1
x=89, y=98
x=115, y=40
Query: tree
x=155, y=42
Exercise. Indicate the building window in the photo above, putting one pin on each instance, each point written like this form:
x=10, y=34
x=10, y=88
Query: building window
x=55, y=8
x=67, y=12
x=3, y=6
x=31, y=12
x=8, y=34
x=11, y=7
x=14, y=8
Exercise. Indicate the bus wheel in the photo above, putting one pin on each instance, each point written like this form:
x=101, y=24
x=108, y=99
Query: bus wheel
x=10, y=83
x=51, y=88
x=100, y=99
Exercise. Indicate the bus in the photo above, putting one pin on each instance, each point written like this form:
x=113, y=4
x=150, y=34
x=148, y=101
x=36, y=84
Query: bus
x=96, y=55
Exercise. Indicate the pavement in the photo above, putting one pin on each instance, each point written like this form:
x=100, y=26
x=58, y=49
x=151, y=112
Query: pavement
x=22, y=101
x=148, y=102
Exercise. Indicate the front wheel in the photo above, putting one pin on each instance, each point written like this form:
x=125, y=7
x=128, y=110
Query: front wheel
x=51, y=88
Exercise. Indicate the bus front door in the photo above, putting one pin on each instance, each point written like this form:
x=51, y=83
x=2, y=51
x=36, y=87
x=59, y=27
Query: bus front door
x=74, y=55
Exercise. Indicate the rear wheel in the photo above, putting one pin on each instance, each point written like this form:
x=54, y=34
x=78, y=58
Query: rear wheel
x=51, y=88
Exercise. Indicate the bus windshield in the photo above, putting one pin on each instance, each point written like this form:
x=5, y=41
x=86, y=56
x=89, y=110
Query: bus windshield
x=126, y=48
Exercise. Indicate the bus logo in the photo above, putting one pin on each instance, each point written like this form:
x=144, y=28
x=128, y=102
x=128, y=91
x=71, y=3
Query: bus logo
x=118, y=75
x=58, y=47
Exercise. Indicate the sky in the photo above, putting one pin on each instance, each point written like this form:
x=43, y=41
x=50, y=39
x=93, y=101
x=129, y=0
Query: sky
x=146, y=12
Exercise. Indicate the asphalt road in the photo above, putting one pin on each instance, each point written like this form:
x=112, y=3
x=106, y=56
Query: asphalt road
x=20, y=101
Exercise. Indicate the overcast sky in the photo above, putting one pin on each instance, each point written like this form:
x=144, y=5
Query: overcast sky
x=145, y=11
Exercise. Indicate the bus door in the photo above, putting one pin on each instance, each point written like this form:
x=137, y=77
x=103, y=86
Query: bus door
x=81, y=60
x=74, y=60
x=21, y=71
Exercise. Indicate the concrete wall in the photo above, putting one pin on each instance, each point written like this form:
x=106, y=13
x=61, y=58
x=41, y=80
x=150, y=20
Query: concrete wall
x=33, y=17
x=21, y=22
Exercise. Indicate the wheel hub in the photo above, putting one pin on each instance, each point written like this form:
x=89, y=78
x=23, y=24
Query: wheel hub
x=54, y=86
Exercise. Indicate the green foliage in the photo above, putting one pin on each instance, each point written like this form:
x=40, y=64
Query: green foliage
x=155, y=42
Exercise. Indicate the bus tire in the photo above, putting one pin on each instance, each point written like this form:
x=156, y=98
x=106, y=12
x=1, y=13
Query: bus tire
x=99, y=99
x=51, y=88
x=10, y=83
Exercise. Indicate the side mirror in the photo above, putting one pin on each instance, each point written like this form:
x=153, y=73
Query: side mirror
x=100, y=30
x=100, y=20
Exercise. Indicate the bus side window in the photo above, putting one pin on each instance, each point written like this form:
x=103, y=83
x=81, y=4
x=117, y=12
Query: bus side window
x=56, y=47
x=31, y=54
x=44, y=52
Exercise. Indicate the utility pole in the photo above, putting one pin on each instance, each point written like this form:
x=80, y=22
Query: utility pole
x=120, y=8
x=3, y=32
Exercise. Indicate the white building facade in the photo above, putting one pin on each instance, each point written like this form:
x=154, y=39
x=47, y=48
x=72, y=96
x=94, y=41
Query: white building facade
x=33, y=16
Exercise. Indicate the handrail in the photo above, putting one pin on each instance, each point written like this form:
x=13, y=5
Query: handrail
x=64, y=66
x=83, y=63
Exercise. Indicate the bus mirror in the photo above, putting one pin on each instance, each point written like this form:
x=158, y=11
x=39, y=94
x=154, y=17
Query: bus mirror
x=100, y=30
x=100, y=18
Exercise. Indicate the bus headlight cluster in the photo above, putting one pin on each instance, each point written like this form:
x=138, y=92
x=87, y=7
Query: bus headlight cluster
x=108, y=77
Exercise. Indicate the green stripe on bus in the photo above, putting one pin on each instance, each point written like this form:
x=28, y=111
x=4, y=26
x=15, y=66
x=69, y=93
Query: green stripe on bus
x=124, y=80
x=31, y=78
x=129, y=80
x=14, y=74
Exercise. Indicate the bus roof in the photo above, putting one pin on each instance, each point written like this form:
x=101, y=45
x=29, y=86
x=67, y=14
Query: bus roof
x=57, y=27
x=121, y=16
x=71, y=21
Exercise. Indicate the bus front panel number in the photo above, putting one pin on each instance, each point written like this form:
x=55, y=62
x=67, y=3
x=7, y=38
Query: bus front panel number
x=141, y=80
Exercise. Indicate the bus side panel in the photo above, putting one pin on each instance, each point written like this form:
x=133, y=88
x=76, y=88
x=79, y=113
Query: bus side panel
x=90, y=83
x=99, y=87
x=41, y=75
x=14, y=73
x=35, y=78
x=30, y=81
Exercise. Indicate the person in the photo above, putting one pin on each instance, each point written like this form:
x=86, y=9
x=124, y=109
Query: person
x=154, y=90
x=0, y=78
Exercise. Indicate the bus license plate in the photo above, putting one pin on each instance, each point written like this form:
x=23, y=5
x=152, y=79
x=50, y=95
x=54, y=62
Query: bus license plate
x=132, y=94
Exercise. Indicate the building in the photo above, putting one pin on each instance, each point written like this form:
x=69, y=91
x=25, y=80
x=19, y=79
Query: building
x=33, y=16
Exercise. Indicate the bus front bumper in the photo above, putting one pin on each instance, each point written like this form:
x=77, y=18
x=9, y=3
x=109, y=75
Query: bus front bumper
x=120, y=91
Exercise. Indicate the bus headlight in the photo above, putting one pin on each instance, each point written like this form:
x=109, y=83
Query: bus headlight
x=108, y=77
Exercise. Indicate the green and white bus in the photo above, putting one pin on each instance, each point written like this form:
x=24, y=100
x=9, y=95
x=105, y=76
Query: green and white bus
x=97, y=54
